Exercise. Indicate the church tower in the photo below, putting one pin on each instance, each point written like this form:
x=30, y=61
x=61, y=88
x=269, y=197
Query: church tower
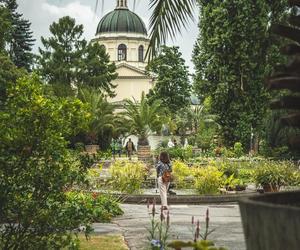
x=124, y=35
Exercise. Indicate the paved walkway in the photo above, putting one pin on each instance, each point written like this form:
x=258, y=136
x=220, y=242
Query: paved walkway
x=224, y=218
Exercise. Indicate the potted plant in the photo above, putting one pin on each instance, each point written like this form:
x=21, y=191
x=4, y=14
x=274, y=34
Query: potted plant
x=272, y=175
x=142, y=118
x=102, y=117
x=271, y=221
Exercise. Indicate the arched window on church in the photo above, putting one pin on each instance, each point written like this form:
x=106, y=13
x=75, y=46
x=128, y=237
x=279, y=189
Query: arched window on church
x=122, y=52
x=141, y=53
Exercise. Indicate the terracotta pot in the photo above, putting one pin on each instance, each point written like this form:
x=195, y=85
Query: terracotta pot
x=92, y=149
x=270, y=188
x=144, y=153
x=272, y=221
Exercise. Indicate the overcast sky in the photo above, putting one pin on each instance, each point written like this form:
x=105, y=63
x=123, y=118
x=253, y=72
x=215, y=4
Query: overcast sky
x=41, y=13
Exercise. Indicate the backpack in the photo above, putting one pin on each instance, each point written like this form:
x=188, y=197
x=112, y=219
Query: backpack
x=166, y=177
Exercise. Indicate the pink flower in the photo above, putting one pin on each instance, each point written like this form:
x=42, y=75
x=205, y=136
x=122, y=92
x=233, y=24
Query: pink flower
x=207, y=216
x=153, y=207
x=168, y=219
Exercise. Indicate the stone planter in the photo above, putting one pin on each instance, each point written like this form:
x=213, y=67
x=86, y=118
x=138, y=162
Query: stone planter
x=144, y=153
x=272, y=221
x=92, y=149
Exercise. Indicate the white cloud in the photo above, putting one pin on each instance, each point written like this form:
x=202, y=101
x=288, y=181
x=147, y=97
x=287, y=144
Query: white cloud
x=42, y=13
x=83, y=14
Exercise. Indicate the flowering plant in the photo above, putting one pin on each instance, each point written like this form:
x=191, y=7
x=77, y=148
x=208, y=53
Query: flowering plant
x=159, y=228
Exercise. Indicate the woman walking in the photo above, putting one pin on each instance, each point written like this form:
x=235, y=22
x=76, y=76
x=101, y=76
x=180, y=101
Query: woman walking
x=164, y=169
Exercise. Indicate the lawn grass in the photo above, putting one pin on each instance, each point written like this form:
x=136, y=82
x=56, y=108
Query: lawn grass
x=103, y=242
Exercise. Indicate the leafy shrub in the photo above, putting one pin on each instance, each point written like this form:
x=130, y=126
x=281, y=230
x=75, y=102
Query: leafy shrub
x=274, y=173
x=36, y=167
x=208, y=180
x=95, y=207
x=227, y=167
x=127, y=176
x=181, y=172
x=246, y=175
x=178, y=153
x=238, y=149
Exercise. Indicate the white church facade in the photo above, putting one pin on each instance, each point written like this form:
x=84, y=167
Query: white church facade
x=124, y=35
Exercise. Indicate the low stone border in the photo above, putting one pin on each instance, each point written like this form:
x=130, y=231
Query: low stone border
x=185, y=199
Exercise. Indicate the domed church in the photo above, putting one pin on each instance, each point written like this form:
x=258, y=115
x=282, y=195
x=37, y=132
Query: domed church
x=124, y=35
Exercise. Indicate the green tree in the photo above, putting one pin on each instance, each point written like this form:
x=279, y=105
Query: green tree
x=21, y=38
x=232, y=56
x=97, y=71
x=60, y=61
x=101, y=112
x=142, y=118
x=68, y=61
x=8, y=75
x=172, y=83
x=36, y=167
x=5, y=27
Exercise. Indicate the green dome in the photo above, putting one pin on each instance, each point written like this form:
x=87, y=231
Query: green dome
x=121, y=20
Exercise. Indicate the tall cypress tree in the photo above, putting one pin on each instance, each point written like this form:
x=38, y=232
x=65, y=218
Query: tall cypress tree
x=21, y=38
x=5, y=28
x=233, y=54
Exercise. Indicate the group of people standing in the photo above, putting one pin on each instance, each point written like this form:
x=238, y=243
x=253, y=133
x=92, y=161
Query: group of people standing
x=117, y=148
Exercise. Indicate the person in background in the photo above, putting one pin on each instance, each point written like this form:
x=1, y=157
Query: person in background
x=119, y=143
x=113, y=148
x=170, y=143
x=175, y=143
x=163, y=169
x=129, y=148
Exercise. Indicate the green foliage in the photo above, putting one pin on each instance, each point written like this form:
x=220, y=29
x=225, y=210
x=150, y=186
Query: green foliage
x=181, y=153
x=20, y=38
x=36, y=167
x=172, y=86
x=143, y=117
x=166, y=20
x=5, y=27
x=101, y=113
x=227, y=70
x=159, y=229
x=96, y=70
x=238, y=149
x=181, y=172
x=96, y=207
x=127, y=176
x=8, y=75
x=208, y=180
x=199, y=245
x=274, y=174
x=205, y=138
x=68, y=60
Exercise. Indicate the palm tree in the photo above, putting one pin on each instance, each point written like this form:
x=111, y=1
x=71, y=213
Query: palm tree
x=167, y=19
x=142, y=118
x=102, y=117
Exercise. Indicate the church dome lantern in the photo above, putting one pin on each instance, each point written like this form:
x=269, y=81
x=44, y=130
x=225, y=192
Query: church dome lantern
x=121, y=20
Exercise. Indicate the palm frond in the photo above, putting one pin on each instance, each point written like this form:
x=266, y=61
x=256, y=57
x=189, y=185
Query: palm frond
x=167, y=19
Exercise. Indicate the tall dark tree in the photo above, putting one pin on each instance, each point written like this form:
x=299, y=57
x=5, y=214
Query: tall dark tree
x=68, y=61
x=5, y=27
x=97, y=71
x=172, y=83
x=21, y=38
x=232, y=56
x=60, y=61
